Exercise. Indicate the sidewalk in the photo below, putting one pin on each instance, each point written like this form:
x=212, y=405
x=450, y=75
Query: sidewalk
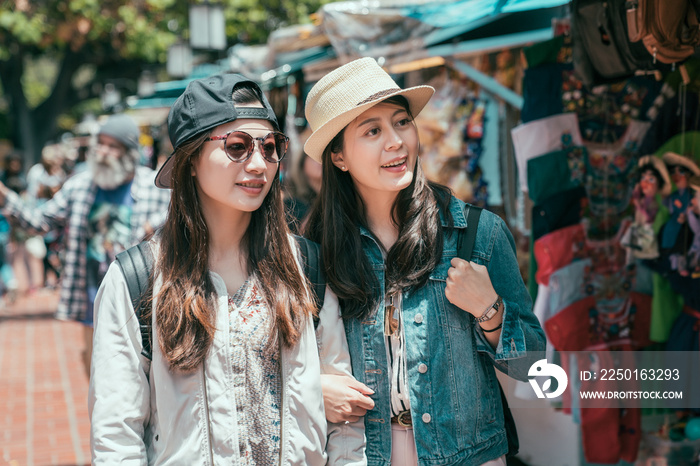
x=43, y=386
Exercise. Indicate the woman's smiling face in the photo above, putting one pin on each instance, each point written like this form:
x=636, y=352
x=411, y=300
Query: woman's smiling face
x=223, y=183
x=380, y=149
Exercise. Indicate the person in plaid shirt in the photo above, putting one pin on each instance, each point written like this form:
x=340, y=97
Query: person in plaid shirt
x=104, y=210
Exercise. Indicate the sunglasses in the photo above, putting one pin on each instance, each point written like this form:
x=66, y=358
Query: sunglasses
x=239, y=145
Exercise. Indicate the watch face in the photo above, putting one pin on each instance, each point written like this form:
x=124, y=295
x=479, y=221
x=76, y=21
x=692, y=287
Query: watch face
x=488, y=314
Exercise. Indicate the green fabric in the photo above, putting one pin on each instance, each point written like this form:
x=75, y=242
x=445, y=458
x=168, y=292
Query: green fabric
x=543, y=52
x=676, y=144
x=550, y=174
x=666, y=305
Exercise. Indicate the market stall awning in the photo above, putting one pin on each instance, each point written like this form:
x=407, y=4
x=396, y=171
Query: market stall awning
x=389, y=28
x=292, y=62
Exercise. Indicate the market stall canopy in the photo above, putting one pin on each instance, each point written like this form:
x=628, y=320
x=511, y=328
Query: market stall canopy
x=290, y=49
x=392, y=28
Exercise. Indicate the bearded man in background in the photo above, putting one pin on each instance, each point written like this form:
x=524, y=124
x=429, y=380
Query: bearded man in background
x=105, y=209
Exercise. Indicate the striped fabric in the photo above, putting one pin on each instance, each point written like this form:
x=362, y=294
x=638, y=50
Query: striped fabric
x=396, y=355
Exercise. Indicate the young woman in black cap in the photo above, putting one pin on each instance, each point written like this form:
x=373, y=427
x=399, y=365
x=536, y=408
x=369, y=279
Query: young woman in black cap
x=235, y=370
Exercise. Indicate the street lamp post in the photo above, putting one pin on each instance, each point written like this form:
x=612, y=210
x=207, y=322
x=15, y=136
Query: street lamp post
x=207, y=26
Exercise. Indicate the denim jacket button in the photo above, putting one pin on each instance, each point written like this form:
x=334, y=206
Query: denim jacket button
x=418, y=318
x=426, y=418
x=422, y=368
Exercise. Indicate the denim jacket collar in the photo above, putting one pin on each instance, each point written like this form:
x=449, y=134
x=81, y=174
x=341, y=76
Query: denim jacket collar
x=456, y=208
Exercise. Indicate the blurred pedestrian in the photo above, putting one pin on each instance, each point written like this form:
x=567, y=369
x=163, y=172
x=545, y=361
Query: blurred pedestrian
x=425, y=328
x=302, y=185
x=105, y=209
x=12, y=174
x=235, y=370
x=21, y=255
x=44, y=179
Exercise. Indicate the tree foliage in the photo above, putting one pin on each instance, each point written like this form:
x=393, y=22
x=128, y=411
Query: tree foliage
x=55, y=54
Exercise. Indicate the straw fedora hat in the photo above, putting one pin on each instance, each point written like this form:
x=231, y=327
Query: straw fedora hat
x=674, y=159
x=344, y=93
x=661, y=168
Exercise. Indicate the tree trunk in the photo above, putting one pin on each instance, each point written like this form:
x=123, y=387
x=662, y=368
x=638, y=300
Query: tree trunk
x=34, y=127
x=11, y=72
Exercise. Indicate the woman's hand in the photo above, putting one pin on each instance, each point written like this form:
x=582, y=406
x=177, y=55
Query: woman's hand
x=344, y=398
x=469, y=287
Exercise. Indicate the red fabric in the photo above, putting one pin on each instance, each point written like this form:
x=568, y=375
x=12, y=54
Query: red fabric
x=579, y=327
x=609, y=433
x=561, y=247
x=557, y=249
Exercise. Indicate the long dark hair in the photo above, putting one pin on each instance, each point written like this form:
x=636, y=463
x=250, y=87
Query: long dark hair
x=340, y=211
x=186, y=308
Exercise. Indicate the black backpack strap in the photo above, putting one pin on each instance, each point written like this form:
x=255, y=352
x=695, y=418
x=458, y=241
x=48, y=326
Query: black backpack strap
x=311, y=263
x=465, y=247
x=467, y=240
x=137, y=264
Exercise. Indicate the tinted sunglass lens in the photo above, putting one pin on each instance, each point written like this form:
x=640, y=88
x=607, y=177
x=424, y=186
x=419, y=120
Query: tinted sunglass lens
x=281, y=143
x=269, y=149
x=238, y=146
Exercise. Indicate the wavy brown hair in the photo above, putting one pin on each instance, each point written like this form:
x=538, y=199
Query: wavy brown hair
x=339, y=212
x=186, y=303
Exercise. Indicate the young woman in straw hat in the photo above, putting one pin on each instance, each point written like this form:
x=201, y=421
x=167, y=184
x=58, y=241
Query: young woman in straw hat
x=235, y=370
x=425, y=329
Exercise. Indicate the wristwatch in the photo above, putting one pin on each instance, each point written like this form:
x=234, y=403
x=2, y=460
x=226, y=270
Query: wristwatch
x=491, y=311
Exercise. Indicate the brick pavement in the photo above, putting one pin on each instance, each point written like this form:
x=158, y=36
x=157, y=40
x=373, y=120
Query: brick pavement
x=43, y=386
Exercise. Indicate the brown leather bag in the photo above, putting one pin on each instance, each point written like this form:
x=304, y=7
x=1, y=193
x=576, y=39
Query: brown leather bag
x=669, y=29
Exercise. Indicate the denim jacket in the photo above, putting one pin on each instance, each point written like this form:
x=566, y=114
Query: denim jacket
x=455, y=399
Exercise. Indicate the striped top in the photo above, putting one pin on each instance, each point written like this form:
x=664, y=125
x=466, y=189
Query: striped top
x=396, y=355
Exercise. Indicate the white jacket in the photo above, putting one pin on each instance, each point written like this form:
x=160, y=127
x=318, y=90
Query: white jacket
x=142, y=413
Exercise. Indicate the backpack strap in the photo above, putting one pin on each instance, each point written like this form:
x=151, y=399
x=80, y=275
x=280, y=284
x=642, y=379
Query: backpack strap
x=468, y=238
x=137, y=265
x=311, y=263
x=465, y=246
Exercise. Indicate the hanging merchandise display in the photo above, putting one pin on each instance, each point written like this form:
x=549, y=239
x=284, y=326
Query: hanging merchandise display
x=607, y=152
x=595, y=261
x=451, y=130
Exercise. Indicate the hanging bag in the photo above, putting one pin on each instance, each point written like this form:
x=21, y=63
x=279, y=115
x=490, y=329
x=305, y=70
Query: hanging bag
x=601, y=47
x=668, y=29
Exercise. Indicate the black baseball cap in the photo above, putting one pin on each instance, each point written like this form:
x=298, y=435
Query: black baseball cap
x=205, y=104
